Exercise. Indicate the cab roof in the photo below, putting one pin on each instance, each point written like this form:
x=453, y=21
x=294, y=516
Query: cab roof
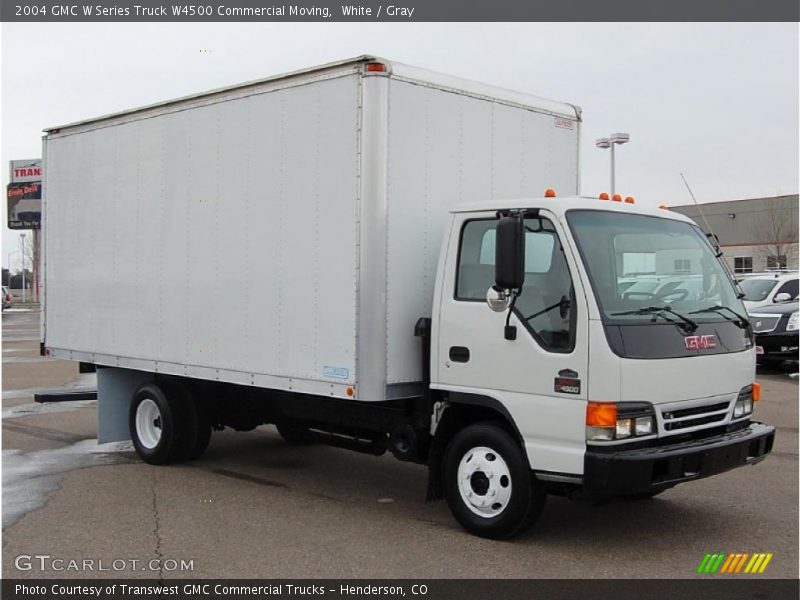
x=562, y=204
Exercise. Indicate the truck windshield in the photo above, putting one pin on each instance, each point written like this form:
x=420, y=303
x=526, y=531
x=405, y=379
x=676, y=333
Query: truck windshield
x=650, y=269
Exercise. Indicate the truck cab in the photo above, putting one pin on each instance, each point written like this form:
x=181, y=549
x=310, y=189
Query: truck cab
x=608, y=393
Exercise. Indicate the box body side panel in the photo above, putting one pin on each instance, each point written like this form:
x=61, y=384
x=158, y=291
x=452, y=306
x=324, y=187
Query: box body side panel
x=221, y=237
x=446, y=149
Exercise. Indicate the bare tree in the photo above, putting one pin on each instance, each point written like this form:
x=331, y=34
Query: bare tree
x=775, y=227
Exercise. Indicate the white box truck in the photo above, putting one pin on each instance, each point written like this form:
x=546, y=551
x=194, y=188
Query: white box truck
x=317, y=251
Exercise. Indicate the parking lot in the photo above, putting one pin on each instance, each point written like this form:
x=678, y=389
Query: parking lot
x=254, y=506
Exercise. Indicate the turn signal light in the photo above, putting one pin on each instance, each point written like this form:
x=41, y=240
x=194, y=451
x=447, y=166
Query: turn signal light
x=603, y=196
x=549, y=193
x=601, y=414
x=756, y=392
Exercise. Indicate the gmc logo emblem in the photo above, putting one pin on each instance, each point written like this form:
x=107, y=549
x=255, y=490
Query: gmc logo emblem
x=700, y=342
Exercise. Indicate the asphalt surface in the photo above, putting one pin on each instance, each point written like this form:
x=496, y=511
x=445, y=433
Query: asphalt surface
x=254, y=506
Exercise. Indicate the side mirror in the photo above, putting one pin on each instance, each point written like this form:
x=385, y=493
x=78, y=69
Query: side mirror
x=782, y=297
x=498, y=301
x=509, y=256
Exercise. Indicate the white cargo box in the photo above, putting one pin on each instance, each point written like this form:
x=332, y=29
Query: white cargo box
x=283, y=233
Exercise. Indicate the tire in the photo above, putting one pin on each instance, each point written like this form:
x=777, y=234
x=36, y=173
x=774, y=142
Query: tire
x=293, y=434
x=501, y=473
x=203, y=432
x=163, y=423
x=646, y=495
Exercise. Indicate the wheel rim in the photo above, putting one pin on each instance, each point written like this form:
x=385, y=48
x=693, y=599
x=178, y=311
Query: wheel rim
x=484, y=482
x=148, y=423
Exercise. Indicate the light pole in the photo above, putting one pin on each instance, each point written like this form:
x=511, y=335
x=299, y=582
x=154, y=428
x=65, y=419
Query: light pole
x=22, y=244
x=610, y=142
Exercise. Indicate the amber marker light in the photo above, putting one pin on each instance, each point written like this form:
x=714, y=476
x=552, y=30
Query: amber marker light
x=601, y=414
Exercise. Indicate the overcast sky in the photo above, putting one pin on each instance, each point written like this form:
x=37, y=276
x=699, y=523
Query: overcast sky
x=718, y=102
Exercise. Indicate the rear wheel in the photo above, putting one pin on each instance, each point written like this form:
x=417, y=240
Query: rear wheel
x=646, y=495
x=163, y=423
x=488, y=484
x=203, y=432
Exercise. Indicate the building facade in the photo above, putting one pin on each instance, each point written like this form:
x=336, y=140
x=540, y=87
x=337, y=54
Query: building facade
x=756, y=234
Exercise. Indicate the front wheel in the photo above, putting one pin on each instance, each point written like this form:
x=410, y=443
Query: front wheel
x=488, y=484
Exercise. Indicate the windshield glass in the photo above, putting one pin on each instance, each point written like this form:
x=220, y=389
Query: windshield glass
x=636, y=262
x=756, y=290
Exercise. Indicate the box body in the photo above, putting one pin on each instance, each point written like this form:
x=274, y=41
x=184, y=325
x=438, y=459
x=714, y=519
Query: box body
x=283, y=233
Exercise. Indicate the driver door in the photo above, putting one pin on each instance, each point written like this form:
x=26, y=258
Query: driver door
x=540, y=377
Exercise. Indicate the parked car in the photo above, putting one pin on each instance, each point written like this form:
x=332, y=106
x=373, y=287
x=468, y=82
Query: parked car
x=776, y=334
x=6, y=298
x=766, y=289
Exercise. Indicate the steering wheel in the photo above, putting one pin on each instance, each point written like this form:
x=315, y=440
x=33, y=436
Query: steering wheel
x=628, y=295
x=676, y=295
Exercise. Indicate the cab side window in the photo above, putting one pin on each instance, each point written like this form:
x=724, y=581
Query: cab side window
x=546, y=304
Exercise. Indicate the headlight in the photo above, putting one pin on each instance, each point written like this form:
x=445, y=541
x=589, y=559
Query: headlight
x=793, y=325
x=744, y=403
x=644, y=426
x=607, y=421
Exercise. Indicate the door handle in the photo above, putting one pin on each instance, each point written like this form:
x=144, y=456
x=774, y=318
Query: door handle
x=459, y=354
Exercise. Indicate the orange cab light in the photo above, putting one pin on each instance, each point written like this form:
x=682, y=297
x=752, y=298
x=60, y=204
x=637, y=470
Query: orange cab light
x=376, y=67
x=663, y=207
x=630, y=200
x=616, y=198
x=549, y=193
x=603, y=196
x=601, y=414
x=756, y=391
x=350, y=392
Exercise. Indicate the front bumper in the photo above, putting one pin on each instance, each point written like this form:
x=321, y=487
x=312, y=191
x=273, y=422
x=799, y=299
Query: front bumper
x=775, y=344
x=647, y=470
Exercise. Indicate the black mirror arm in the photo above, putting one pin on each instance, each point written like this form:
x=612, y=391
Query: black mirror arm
x=564, y=300
x=510, y=331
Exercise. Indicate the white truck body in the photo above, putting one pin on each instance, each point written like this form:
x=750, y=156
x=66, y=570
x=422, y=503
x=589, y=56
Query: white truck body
x=168, y=227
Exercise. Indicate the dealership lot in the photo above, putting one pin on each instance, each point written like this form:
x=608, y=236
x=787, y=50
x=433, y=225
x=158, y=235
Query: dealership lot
x=254, y=506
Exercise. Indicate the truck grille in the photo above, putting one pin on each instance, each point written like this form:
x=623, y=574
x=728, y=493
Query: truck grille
x=684, y=418
x=764, y=323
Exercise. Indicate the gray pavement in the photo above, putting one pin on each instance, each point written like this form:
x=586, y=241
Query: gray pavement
x=256, y=507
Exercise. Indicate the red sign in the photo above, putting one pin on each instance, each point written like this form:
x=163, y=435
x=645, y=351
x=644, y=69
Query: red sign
x=27, y=173
x=700, y=342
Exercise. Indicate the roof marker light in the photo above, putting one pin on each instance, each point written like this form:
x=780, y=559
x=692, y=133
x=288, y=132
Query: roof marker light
x=616, y=198
x=630, y=200
x=603, y=196
x=549, y=193
x=376, y=67
x=663, y=207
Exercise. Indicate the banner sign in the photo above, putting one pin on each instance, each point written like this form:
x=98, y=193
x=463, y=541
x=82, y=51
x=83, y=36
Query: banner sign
x=26, y=170
x=25, y=205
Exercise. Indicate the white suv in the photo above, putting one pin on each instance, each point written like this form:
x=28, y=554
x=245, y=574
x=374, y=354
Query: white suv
x=766, y=289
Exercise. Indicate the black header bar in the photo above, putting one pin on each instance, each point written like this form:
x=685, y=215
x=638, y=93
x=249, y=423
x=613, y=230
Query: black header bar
x=404, y=11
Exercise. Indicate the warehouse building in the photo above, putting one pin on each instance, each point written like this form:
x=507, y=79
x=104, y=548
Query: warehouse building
x=756, y=234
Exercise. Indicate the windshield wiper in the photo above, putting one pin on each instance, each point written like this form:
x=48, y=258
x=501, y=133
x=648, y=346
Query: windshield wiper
x=657, y=311
x=741, y=321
